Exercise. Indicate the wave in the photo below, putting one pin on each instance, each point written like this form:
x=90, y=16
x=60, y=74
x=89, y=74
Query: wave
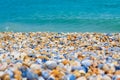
x=63, y=25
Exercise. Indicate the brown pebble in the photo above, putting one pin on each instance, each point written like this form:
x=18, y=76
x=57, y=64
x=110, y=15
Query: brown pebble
x=117, y=72
x=5, y=77
x=17, y=75
x=38, y=72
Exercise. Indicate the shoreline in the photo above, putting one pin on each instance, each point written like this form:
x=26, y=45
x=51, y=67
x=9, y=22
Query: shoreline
x=59, y=55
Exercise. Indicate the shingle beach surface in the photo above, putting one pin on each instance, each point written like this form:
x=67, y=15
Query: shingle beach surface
x=59, y=56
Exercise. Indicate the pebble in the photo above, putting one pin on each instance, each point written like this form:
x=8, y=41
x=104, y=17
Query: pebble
x=5, y=77
x=106, y=77
x=59, y=56
x=35, y=66
x=17, y=75
x=81, y=78
x=41, y=78
x=86, y=63
x=31, y=75
x=71, y=77
x=45, y=74
x=3, y=66
x=10, y=73
x=1, y=73
x=51, y=78
x=51, y=64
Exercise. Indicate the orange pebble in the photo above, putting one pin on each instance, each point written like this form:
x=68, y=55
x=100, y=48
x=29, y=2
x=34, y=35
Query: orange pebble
x=56, y=73
x=17, y=75
x=5, y=77
x=37, y=72
x=117, y=72
x=65, y=62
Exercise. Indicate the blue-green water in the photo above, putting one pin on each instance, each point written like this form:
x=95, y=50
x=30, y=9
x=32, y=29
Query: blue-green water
x=60, y=15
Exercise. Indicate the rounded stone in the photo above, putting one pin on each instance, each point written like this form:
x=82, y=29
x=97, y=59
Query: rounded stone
x=71, y=77
x=51, y=78
x=117, y=67
x=5, y=77
x=31, y=75
x=81, y=78
x=10, y=73
x=106, y=77
x=38, y=61
x=3, y=67
x=1, y=73
x=51, y=64
x=35, y=66
x=32, y=55
x=45, y=74
x=41, y=78
x=17, y=74
x=86, y=63
x=24, y=71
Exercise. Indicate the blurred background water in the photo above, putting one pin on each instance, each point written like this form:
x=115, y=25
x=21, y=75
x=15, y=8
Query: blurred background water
x=60, y=15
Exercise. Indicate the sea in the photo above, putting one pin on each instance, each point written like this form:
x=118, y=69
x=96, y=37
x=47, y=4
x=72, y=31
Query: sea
x=60, y=16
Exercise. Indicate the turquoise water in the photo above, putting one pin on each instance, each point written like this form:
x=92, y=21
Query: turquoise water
x=60, y=15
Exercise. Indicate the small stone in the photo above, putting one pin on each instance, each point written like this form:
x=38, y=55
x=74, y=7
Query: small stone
x=51, y=64
x=77, y=73
x=81, y=78
x=45, y=74
x=51, y=78
x=106, y=77
x=24, y=71
x=37, y=71
x=84, y=68
x=5, y=77
x=56, y=73
x=10, y=73
x=71, y=77
x=1, y=73
x=17, y=75
x=106, y=67
x=93, y=77
x=3, y=67
x=65, y=62
x=117, y=77
x=82, y=71
x=71, y=48
x=44, y=60
x=117, y=67
x=32, y=55
x=117, y=72
x=41, y=78
x=35, y=66
x=100, y=66
x=31, y=75
x=18, y=65
x=86, y=63
x=24, y=78
x=38, y=61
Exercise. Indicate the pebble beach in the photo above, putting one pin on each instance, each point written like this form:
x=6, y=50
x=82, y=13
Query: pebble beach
x=59, y=56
